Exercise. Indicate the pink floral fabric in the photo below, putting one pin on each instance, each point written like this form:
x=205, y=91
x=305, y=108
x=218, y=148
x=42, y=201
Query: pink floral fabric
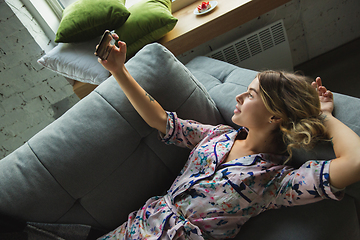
x=211, y=199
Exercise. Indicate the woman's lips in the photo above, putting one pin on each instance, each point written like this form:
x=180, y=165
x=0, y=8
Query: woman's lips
x=237, y=110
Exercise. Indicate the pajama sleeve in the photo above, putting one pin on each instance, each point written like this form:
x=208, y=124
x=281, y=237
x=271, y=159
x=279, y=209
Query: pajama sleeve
x=308, y=184
x=184, y=133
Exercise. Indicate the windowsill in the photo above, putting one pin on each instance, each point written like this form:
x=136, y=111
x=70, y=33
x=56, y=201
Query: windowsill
x=192, y=30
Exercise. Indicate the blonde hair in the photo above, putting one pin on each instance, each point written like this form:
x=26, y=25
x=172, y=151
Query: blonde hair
x=291, y=97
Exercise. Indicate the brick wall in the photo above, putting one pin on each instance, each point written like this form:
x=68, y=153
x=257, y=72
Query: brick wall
x=30, y=95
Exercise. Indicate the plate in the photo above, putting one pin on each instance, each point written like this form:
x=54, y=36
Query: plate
x=213, y=5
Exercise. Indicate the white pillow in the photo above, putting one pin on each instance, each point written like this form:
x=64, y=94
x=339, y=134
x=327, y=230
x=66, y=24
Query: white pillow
x=76, y=61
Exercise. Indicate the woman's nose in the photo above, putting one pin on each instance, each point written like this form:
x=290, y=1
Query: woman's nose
x=239, y=98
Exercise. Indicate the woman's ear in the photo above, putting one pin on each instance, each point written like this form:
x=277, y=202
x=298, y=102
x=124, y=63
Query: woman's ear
x=275, y=119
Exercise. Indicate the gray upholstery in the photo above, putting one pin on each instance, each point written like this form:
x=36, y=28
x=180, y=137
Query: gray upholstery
x=100, y=160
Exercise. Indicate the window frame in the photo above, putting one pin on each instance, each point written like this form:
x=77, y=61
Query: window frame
x=44, y=15
x=57, y=7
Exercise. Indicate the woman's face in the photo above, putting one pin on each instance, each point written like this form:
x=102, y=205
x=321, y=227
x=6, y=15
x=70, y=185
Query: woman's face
x=250, y=110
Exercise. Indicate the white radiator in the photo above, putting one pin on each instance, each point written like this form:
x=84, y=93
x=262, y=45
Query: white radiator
x=267, y=48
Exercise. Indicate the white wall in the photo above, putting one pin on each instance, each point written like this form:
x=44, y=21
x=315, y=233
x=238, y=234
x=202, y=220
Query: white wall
x=313, y=27
x=31, y=97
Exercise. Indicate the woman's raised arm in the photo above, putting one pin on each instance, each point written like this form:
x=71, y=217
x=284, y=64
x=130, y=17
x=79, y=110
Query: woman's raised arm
x=148, y=108
x=345, y=169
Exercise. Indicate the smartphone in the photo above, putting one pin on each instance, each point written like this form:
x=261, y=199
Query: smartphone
x=105, y=45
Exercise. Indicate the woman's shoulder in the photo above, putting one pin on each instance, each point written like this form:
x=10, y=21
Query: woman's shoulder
x=224, y=129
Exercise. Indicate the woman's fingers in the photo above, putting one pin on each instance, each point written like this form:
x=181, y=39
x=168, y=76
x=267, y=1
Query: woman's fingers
x=115, y=36
x=329, y=94
x=317, y=84
x=122, y=45
x=314, y=85
x=318, y=81
x=322, y=91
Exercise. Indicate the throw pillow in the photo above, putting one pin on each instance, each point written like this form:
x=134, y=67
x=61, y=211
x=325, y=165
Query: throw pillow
x=149, y=21
x=86, y=19
x=76, y=61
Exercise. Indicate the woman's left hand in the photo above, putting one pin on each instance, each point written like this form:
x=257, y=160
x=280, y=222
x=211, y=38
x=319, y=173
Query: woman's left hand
x=325, y=96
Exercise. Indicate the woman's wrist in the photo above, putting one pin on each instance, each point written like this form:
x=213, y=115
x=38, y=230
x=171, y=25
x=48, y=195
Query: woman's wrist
x=326, y=114
x=327, y=117
x=120, y=72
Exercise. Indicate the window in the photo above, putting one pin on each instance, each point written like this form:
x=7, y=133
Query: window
x=176, y=4
x=65, y=3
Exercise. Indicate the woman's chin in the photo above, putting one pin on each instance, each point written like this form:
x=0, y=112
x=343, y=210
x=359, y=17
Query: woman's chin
x=234, y=120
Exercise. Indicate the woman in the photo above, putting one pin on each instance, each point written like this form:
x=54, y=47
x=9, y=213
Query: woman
x=232, y=175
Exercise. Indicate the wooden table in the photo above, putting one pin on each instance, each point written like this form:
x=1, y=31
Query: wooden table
x=192, y=30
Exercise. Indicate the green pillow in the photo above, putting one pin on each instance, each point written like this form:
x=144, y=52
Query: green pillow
x=86, y=19
x=149, y=21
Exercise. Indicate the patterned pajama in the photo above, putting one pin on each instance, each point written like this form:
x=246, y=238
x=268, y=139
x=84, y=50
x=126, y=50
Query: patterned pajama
x=211, y=199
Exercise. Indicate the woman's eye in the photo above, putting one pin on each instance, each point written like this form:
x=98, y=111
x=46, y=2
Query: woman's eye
x=250, y=95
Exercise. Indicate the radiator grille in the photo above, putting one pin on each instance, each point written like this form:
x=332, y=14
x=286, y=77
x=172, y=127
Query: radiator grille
x=252, y=45
x=242, y=50
x=278, y=33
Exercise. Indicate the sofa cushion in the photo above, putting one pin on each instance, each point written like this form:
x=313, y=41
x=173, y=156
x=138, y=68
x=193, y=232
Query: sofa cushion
x=26, y=186
x=86, y=19
x=100, y=155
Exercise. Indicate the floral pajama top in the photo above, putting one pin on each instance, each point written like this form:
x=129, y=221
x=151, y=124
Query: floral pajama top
x=211, y=199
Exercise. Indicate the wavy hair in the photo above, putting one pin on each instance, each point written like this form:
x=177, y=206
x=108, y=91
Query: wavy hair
x=291, y=97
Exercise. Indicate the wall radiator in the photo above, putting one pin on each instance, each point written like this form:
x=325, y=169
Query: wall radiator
x=266, y=48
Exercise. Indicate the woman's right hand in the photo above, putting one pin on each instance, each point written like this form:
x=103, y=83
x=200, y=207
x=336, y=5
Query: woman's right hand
x=148, y=108
x=117, y=57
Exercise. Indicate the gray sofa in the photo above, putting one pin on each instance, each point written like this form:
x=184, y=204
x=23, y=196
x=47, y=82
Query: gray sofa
x=100, y=160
